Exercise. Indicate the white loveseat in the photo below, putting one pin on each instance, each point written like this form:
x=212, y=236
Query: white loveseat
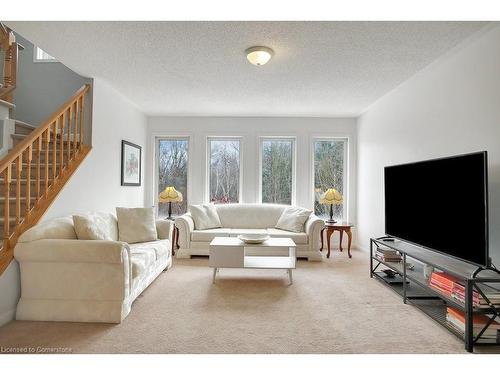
x=66, y=279
x=239, y=219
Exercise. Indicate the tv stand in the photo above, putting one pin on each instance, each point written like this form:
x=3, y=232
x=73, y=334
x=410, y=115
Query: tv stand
x=415, y=289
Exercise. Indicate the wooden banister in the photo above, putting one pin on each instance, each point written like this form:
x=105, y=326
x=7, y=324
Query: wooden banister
x=51, y=169
x=11, y=49
x=8, y=159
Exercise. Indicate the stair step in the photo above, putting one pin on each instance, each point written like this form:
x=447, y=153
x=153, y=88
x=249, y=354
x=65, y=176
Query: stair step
x=23, y=127
x=12, y=220
x=7, y=104
x=24, y=180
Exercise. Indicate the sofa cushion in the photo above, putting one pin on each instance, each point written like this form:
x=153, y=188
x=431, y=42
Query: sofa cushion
x=249, y=216
x=136, y=224
x=204, y=216
x=208, y=235
x=159, y=248
x=298, y=238
x=59, y=229
x=142, y=258
x=293, y=219
x=235, y=232
x=96, y=226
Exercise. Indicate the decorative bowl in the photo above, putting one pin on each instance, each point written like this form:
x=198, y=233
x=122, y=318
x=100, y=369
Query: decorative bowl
x=253, y=238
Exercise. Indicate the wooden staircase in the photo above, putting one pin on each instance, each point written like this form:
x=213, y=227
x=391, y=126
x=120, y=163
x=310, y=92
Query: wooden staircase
x=41, y=161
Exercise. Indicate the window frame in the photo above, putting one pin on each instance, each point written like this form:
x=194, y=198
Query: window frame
x=345, y=187
x=37, y=60
x=294, y=165
x=208, y=156
x=156, y=193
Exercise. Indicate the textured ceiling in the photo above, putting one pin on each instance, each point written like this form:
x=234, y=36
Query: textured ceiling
x=199, y=68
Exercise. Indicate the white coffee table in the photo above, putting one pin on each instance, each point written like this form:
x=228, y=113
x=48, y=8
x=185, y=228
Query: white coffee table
x=230, y=252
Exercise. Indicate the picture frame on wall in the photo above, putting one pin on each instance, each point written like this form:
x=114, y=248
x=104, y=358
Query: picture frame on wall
x=131, y=164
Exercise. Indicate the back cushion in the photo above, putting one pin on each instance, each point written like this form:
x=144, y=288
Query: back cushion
x=250, y=216
x=96, y=226
x=60, y=229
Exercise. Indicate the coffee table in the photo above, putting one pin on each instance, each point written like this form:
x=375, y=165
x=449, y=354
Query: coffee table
x=230, y=252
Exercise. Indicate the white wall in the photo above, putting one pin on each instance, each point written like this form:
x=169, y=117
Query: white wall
x=450, y=107
x=42, y=87
x=96, y=184
x=250, y=129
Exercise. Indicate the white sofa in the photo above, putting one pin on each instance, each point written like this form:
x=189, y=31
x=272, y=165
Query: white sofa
x=66, y=279
x=239, y=219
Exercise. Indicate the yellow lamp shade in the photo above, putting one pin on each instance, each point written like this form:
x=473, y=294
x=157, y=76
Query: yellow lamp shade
x=170, y=195
x=331, y=196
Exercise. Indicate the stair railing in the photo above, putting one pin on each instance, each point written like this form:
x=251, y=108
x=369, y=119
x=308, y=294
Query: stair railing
x=37, y=168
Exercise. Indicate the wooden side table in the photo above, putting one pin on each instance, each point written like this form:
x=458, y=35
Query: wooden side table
x=175, y=238
x=341, y=228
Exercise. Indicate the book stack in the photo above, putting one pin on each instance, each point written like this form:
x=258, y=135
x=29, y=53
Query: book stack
x=454, y=288
x=387, y=255
x=493, y=295
x=442, y=282
x=456, y=319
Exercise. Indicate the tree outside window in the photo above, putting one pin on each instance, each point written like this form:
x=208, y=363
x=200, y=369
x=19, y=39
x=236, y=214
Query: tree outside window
x=329, y=172
x=277, y=170
x=173, y=171
x=224, y=170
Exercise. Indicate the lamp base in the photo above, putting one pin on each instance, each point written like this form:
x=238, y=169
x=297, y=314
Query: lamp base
x=330, y=221
x=170, y=218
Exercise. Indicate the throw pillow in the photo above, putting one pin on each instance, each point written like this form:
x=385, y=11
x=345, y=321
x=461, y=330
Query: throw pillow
x=205, y=216
x=91, y=227
x=293, y=219
x=136, y=224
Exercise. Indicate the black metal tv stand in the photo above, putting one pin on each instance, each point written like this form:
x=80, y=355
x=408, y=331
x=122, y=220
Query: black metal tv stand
x=415, y=289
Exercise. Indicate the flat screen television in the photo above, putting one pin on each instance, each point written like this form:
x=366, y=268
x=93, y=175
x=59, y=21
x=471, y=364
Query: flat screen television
x=441, y=204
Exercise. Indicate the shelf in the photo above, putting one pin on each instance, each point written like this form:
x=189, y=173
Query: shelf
x=417, y=275
x=455, y=267
x=269, y=262
x=435, y=308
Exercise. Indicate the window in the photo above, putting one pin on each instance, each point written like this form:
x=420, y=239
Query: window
x=330, y=168
x=42, y=56
x=173, y=171
x=277, y=170
x=224, y=170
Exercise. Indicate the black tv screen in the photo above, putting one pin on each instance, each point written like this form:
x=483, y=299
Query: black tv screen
x=441, y=204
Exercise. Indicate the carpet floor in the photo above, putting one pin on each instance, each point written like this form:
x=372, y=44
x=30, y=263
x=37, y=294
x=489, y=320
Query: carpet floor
x=332, y=307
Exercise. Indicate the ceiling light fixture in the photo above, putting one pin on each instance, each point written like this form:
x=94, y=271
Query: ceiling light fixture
x=259, y=55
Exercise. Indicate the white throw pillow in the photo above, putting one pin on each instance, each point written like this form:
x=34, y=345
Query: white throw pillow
x=60, y=228
x=205, y=216
x=293, y=219
x=136, y=224
x=95, y=226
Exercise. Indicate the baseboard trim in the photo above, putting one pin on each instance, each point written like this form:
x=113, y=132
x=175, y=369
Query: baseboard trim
x=7, y=316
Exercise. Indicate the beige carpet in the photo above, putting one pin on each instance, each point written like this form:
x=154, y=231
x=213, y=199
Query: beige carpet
x=332, y=307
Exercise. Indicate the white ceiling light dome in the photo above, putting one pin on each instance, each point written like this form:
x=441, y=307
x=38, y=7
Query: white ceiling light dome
x=259, y=55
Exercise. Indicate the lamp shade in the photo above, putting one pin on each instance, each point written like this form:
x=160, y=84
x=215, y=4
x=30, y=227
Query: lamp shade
x=331, y=196
x=170, y=195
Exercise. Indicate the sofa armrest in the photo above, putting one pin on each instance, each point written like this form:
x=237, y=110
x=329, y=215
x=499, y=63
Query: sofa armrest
x=313, y=227
x=74, y=270
x=72, y=251
x=185, y=224
x=164, y=229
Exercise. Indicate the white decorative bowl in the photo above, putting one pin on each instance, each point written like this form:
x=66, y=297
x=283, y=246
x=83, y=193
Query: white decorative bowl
x=253, y=238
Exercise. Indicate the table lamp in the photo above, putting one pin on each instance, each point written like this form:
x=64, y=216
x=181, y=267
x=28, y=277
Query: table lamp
x=331, y=197
x=170, y=195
